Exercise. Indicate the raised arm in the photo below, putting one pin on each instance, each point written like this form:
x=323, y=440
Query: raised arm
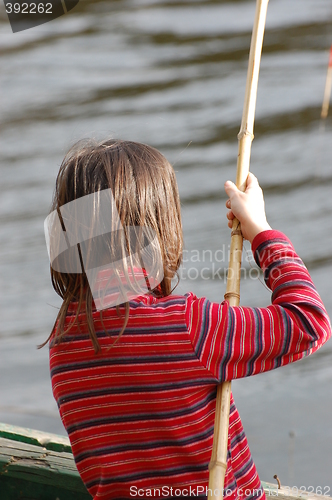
x=234, y=342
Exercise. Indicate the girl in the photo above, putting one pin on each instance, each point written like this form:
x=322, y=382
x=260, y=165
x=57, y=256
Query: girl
x=136, y=384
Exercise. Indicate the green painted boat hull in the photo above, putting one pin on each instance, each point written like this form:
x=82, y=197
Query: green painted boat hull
x=37, y=466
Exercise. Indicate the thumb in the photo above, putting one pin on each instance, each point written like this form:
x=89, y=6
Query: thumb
x=230, y=188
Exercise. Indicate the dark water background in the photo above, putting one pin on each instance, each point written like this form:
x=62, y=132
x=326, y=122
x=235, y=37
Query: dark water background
x=172, y=74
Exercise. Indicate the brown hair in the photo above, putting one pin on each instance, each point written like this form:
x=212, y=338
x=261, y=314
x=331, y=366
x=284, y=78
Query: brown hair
x=145, y=192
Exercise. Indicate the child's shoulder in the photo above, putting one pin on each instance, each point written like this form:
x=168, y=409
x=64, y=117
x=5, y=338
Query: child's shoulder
x=173, y=300
x=171, y=305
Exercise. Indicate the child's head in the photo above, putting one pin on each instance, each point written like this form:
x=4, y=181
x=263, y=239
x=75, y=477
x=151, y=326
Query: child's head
x=145, y=191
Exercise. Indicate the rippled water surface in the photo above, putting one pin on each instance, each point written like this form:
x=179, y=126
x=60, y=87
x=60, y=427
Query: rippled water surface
x=172, y=74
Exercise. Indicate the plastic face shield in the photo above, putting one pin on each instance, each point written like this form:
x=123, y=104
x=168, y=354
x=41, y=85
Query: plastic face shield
x=120, y=263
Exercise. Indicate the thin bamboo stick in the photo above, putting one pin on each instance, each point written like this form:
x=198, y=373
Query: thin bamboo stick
x=218, y=463
x=328, y=89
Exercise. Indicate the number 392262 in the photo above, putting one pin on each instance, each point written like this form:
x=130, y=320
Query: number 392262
x=28, y=8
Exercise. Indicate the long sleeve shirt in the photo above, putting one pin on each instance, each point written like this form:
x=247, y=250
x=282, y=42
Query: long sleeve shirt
x=140, y=415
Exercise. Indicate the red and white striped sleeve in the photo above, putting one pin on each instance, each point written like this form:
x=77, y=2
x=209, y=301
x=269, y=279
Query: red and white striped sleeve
x=235, y=342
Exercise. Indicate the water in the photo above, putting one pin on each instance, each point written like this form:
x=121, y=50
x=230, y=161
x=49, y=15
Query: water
x=172, y=74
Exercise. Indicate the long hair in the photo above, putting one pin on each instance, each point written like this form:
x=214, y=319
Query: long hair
x=145, y=191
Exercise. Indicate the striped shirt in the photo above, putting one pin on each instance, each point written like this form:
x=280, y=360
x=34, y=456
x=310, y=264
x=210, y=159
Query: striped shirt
x=140, y=416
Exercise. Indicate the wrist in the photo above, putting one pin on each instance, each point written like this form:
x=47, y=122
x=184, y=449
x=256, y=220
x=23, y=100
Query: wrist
x=256, y=229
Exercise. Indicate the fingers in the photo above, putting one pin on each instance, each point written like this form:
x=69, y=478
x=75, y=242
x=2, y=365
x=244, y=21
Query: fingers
x=251, y=179
x=231, y=190
x=230, y=215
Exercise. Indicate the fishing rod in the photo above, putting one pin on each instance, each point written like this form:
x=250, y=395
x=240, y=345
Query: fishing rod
x=218, y=463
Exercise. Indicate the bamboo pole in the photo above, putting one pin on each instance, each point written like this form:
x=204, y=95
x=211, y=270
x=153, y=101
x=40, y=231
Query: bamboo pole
x=218, y=463
x=328, y=89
